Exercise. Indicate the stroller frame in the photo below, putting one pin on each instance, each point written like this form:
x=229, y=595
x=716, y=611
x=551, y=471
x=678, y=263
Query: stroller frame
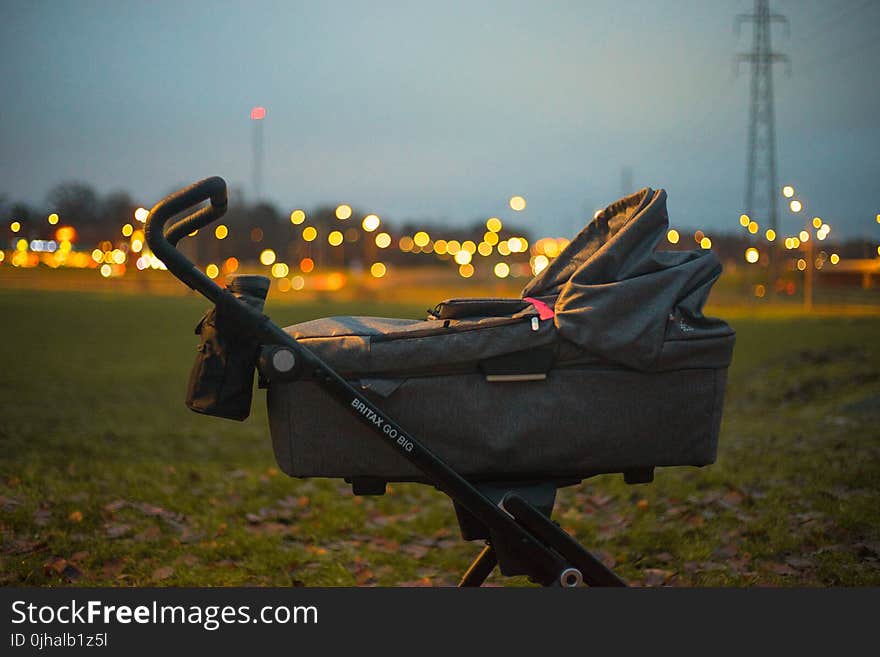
x=520, y=537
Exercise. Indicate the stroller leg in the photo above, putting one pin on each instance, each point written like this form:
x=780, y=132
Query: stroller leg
x=480, y=569
x=593, y=571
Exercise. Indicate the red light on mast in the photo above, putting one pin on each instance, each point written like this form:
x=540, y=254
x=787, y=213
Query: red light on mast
x=258, y=113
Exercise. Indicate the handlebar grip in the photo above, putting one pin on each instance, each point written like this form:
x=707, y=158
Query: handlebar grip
x=163, y=242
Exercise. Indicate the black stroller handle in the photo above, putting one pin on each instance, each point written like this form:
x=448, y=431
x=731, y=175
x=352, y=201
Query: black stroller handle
x=163, y=242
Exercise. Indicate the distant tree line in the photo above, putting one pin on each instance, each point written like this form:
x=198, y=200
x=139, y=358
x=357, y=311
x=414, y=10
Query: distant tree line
x=253, y=228
x=250, y=229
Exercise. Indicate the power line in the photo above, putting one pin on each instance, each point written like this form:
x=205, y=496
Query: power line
x=827, y=57
x=838, y=19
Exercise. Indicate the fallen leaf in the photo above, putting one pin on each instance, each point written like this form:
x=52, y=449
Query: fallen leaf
x=75, y=516
x=23, y=546
x=116, y=530
x=56, y=564
x=868, y=550
x=150, y=509
x=149, y=534
x=424, y=581
x=187, y=559
x=642, y=504
x=363, y=576
x=782, y=569
x=112, y=568
x=42, y=517
x=656, y=576
x=163, y=573
x=188, y=535
x=599, y=500
x=733, y=498
x=114, y=506
x=416, y=550
x=726, y=551
x=800, y=563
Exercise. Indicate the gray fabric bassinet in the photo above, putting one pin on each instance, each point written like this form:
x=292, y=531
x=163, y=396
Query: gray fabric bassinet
x=606, y=364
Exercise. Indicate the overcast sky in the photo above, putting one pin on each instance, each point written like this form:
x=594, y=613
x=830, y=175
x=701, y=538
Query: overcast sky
x=441, y=110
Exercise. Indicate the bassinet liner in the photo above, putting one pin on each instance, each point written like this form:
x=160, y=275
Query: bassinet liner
x=606, y=364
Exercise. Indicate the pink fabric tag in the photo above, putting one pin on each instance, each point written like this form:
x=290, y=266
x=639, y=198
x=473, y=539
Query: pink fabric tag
x=544, y=311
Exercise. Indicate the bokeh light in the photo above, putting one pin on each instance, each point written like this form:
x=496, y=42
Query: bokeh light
x=378, y=269
x=267, y=257
x=221, y=231
x=672, y=236
x=309, y=233
x=297, y=217
x=517, y=203
x=370, y=223
x=343, y=211
x=383, y=240
x=502, y=270
x=539, y=264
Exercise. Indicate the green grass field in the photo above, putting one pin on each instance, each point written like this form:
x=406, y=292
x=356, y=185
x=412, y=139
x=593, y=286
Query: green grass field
x=107, y=479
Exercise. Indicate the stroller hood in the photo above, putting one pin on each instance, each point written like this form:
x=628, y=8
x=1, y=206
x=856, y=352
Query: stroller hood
x=618, y=298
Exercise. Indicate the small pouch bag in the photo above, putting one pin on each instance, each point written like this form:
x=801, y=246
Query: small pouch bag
x=222, y=378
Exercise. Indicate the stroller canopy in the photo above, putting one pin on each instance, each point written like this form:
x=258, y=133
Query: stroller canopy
x=615, y=299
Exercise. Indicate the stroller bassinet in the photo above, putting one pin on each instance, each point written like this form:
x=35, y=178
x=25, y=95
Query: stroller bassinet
x=605, y=364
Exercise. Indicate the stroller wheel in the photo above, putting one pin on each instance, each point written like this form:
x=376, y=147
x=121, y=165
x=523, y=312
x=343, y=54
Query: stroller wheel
x=571, y=578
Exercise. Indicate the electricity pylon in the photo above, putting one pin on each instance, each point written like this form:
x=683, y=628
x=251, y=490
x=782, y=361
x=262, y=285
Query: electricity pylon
x=761, y=189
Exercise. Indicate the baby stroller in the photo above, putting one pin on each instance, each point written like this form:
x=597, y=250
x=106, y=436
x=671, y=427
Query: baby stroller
x=606, y=364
